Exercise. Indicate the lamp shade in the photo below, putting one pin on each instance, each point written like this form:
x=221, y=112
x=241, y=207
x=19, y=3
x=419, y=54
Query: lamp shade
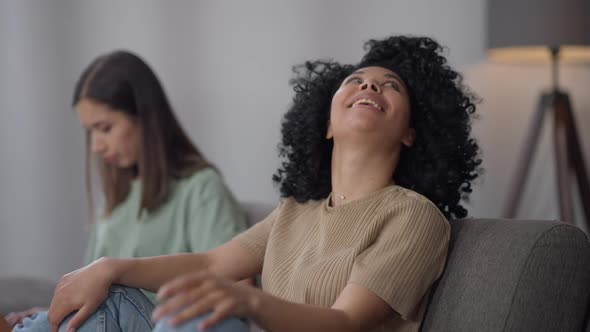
x=523, y=30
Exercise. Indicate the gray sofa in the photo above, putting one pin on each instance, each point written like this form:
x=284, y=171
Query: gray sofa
x=513, y=275
x=501, y=275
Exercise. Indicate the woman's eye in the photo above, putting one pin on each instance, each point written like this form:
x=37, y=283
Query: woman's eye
x=105, y=129
x=392, y=85
x=356, y=80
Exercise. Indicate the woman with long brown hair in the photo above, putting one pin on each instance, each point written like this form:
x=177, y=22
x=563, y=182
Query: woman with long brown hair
x=159, y=193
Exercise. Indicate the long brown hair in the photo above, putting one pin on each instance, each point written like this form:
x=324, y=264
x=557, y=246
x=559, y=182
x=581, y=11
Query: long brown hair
x=125, y=83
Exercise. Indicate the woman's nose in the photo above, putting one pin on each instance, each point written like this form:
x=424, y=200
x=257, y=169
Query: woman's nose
x=370, y=85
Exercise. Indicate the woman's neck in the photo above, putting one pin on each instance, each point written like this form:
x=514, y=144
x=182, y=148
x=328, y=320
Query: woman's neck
x=358, y=171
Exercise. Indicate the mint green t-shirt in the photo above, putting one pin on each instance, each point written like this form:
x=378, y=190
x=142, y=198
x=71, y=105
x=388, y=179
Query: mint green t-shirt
x=199, y=214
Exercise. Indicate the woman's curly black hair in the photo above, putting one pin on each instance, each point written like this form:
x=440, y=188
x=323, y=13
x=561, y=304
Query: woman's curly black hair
x=442, y=162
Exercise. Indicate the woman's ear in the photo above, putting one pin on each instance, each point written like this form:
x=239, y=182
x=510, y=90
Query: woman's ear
x=329, y=133
x=409, y=137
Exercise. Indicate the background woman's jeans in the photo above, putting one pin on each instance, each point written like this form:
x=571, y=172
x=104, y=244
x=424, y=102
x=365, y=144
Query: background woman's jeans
x=126, y=310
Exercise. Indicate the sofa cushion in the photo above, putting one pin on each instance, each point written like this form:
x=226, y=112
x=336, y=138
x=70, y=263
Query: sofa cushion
x=512, y=275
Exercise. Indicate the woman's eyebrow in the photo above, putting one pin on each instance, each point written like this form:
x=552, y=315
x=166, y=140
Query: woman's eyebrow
x=96, y=124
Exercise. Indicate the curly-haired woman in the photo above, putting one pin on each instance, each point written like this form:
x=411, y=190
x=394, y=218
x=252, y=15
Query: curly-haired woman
x=376, y=157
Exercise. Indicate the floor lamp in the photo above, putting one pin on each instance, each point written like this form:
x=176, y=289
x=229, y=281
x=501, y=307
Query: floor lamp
x=550, y=32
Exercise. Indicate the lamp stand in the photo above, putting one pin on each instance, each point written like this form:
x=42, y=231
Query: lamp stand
x=568, y=153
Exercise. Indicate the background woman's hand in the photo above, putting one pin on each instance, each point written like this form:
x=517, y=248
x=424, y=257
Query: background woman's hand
x=194, y=294
x=82, y=290
x=14, y=318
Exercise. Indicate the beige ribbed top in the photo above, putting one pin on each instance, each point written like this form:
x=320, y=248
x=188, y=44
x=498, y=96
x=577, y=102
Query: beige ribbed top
x=393, y=242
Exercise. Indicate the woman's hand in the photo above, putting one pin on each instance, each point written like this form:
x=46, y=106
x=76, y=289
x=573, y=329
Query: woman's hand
x=14, y=318
x=83, y=290
x=194, y=294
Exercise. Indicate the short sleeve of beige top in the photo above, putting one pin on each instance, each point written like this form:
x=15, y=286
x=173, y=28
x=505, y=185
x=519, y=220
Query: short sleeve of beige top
x=393, y=242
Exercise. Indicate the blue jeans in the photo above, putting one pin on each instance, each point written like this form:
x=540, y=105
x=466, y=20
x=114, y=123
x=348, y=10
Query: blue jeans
x=127, y=310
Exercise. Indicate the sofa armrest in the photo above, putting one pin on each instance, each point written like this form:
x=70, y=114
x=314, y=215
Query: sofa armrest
x=22, y=293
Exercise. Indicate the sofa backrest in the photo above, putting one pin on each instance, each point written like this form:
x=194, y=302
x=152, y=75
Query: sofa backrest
x=257, y=211
x=512, y=275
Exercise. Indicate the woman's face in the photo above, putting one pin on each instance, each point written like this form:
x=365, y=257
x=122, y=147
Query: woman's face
x=114, y=135
x=373, y=101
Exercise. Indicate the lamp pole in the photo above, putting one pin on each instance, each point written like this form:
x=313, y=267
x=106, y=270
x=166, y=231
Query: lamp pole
x=568, y=153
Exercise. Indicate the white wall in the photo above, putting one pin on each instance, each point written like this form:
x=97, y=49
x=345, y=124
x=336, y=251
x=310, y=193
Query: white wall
x=41, y=172
x=225, y=65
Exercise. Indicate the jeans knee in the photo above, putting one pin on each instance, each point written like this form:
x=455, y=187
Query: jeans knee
x=129, y=291
x=36, y=323
x=128, y=301
x=231, y=324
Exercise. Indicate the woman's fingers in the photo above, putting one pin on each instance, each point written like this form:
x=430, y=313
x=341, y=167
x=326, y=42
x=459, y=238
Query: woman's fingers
x=180, y=284
x=190, y=296
x=79, y=318
x=60, y=310
x=181, y=299
x=82, y=290
x=57, y=312
x=223, y=310
x=13, y=318
x=172, y=305
x=198, y=308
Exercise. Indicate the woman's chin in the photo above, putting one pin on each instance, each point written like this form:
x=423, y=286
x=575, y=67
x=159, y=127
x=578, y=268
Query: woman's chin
x=363, y=125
